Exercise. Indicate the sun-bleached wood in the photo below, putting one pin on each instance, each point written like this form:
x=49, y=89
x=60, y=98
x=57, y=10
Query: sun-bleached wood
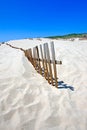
x=45, y=64
x=54, y=65
x=42, y=59
x=34, y=57
x=38, y=61
x=49, y=65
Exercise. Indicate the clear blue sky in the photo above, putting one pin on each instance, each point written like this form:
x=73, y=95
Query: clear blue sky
x=39, y=18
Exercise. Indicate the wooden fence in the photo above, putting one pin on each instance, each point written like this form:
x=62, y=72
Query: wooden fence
x=43, y=62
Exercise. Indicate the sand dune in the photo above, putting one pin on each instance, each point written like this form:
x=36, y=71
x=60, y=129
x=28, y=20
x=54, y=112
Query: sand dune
x=28, y=102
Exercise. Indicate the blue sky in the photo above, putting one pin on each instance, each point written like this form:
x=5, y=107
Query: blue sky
x=39, y=18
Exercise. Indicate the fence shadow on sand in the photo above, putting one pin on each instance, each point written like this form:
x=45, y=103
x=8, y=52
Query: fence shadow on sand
x=62, y=85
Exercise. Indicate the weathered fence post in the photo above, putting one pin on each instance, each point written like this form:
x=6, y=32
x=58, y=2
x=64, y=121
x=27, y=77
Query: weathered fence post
x=49, y=64
x=54, y=64
x=34, y=58
x=45, y=64
x=43, y=68
x=30, y=55
x=38, y=60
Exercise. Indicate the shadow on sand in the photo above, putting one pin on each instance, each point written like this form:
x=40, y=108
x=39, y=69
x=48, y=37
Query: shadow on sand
x=62, y=85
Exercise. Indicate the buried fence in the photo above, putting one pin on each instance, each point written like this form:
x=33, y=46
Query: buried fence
x=43, y=62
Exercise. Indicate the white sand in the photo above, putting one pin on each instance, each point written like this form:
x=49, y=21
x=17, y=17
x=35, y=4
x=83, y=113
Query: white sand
x=28, y=102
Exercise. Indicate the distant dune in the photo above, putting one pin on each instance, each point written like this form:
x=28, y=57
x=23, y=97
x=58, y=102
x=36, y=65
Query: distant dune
x=69, y=36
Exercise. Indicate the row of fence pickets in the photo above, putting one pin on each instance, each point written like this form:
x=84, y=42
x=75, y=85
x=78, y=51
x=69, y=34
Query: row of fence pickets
x=39, y=57
x=44, y=63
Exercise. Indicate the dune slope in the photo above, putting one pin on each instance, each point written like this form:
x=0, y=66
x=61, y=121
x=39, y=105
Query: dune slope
x=28, y=102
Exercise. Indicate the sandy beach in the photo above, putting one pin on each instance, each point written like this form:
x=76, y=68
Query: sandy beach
x=28, y=102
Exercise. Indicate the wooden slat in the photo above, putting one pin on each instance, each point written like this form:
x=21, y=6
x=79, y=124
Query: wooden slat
x=38, y=61
x=34, y=58
x=48, y=61
x=31, y=59
x=54, y=65
x=43, y=68
x=45, y=64
x=29, y=55
x=56, y=62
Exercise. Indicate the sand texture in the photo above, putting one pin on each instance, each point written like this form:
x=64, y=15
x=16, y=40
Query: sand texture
x=28, y=102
